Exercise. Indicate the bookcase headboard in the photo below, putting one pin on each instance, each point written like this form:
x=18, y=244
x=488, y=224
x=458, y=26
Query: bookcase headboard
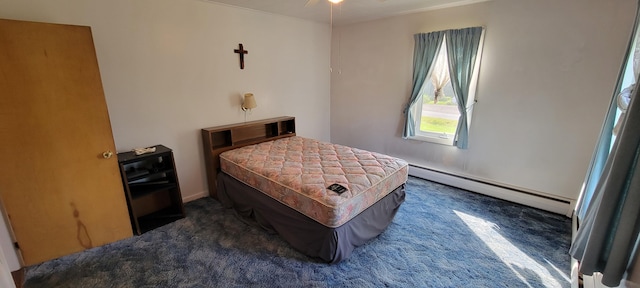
x=216, y=140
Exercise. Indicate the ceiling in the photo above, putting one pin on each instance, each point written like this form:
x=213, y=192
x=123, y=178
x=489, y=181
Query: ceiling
x=347, y=12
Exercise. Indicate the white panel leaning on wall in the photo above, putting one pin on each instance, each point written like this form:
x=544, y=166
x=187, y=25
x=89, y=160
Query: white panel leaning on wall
x=5, y=275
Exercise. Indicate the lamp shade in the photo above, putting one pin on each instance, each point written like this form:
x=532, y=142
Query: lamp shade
x=249, y=101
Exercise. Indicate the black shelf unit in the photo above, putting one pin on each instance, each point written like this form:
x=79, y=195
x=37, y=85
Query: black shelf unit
x=152, y=188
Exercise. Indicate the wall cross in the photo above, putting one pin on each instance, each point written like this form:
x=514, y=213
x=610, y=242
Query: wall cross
x=241, y=51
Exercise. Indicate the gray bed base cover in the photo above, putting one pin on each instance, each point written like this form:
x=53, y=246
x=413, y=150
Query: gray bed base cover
x=331, y=245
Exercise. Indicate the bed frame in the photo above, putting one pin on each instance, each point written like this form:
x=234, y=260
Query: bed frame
x=306, y=235
x=216, y=140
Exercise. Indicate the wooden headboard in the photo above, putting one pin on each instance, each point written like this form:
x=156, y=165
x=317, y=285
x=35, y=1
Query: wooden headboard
x=216, y=140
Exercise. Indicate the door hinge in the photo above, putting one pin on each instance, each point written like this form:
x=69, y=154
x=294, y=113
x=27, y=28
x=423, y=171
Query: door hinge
x=15, y=244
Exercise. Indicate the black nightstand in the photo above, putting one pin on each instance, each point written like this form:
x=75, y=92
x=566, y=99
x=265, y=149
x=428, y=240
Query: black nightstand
x=152, y=188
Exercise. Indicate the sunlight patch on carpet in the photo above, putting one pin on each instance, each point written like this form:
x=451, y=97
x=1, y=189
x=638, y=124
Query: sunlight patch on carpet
x=523, y=266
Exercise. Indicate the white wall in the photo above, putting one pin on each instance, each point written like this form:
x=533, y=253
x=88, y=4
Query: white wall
x=6, y=280
x=7, y=249
x=548, y=73
x=168, y=70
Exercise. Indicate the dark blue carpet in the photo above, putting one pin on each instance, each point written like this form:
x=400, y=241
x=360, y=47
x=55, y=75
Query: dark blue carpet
x=441, y=237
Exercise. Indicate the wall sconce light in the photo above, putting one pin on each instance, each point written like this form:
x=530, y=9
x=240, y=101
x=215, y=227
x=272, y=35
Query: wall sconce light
x=249, y=102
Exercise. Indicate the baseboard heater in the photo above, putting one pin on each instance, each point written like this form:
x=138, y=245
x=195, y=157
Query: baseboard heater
x=537, y=200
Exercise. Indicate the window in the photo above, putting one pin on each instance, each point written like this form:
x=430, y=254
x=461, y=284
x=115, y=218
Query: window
x=439, y=96
x=631, y=69
x=437, y=108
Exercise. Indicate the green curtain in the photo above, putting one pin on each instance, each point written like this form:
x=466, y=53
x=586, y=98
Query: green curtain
x=427, y=46
x=462, y=49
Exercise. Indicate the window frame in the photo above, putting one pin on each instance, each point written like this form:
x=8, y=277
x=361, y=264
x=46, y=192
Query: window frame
x=426, y=135
x=436, y=138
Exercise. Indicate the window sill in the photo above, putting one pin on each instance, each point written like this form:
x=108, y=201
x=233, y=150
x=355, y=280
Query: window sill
x=433, y=139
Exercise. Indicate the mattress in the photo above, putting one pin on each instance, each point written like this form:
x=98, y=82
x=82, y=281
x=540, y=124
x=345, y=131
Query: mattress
x=297, y=172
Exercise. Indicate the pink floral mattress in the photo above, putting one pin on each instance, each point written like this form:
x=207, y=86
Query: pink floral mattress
x=296, y=171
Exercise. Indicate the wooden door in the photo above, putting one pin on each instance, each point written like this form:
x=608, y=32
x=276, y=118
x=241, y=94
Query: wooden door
x=62, y=196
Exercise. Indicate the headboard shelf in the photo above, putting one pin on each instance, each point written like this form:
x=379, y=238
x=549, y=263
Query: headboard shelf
x=218, y=139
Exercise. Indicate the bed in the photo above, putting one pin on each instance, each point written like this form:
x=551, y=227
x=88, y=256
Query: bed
x=324, y=199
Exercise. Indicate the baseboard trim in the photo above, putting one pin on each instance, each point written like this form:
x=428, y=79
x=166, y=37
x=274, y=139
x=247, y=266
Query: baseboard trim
x=196, y=196
x=540, y=201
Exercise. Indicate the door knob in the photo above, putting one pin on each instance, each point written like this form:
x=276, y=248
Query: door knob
x=107, y=154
